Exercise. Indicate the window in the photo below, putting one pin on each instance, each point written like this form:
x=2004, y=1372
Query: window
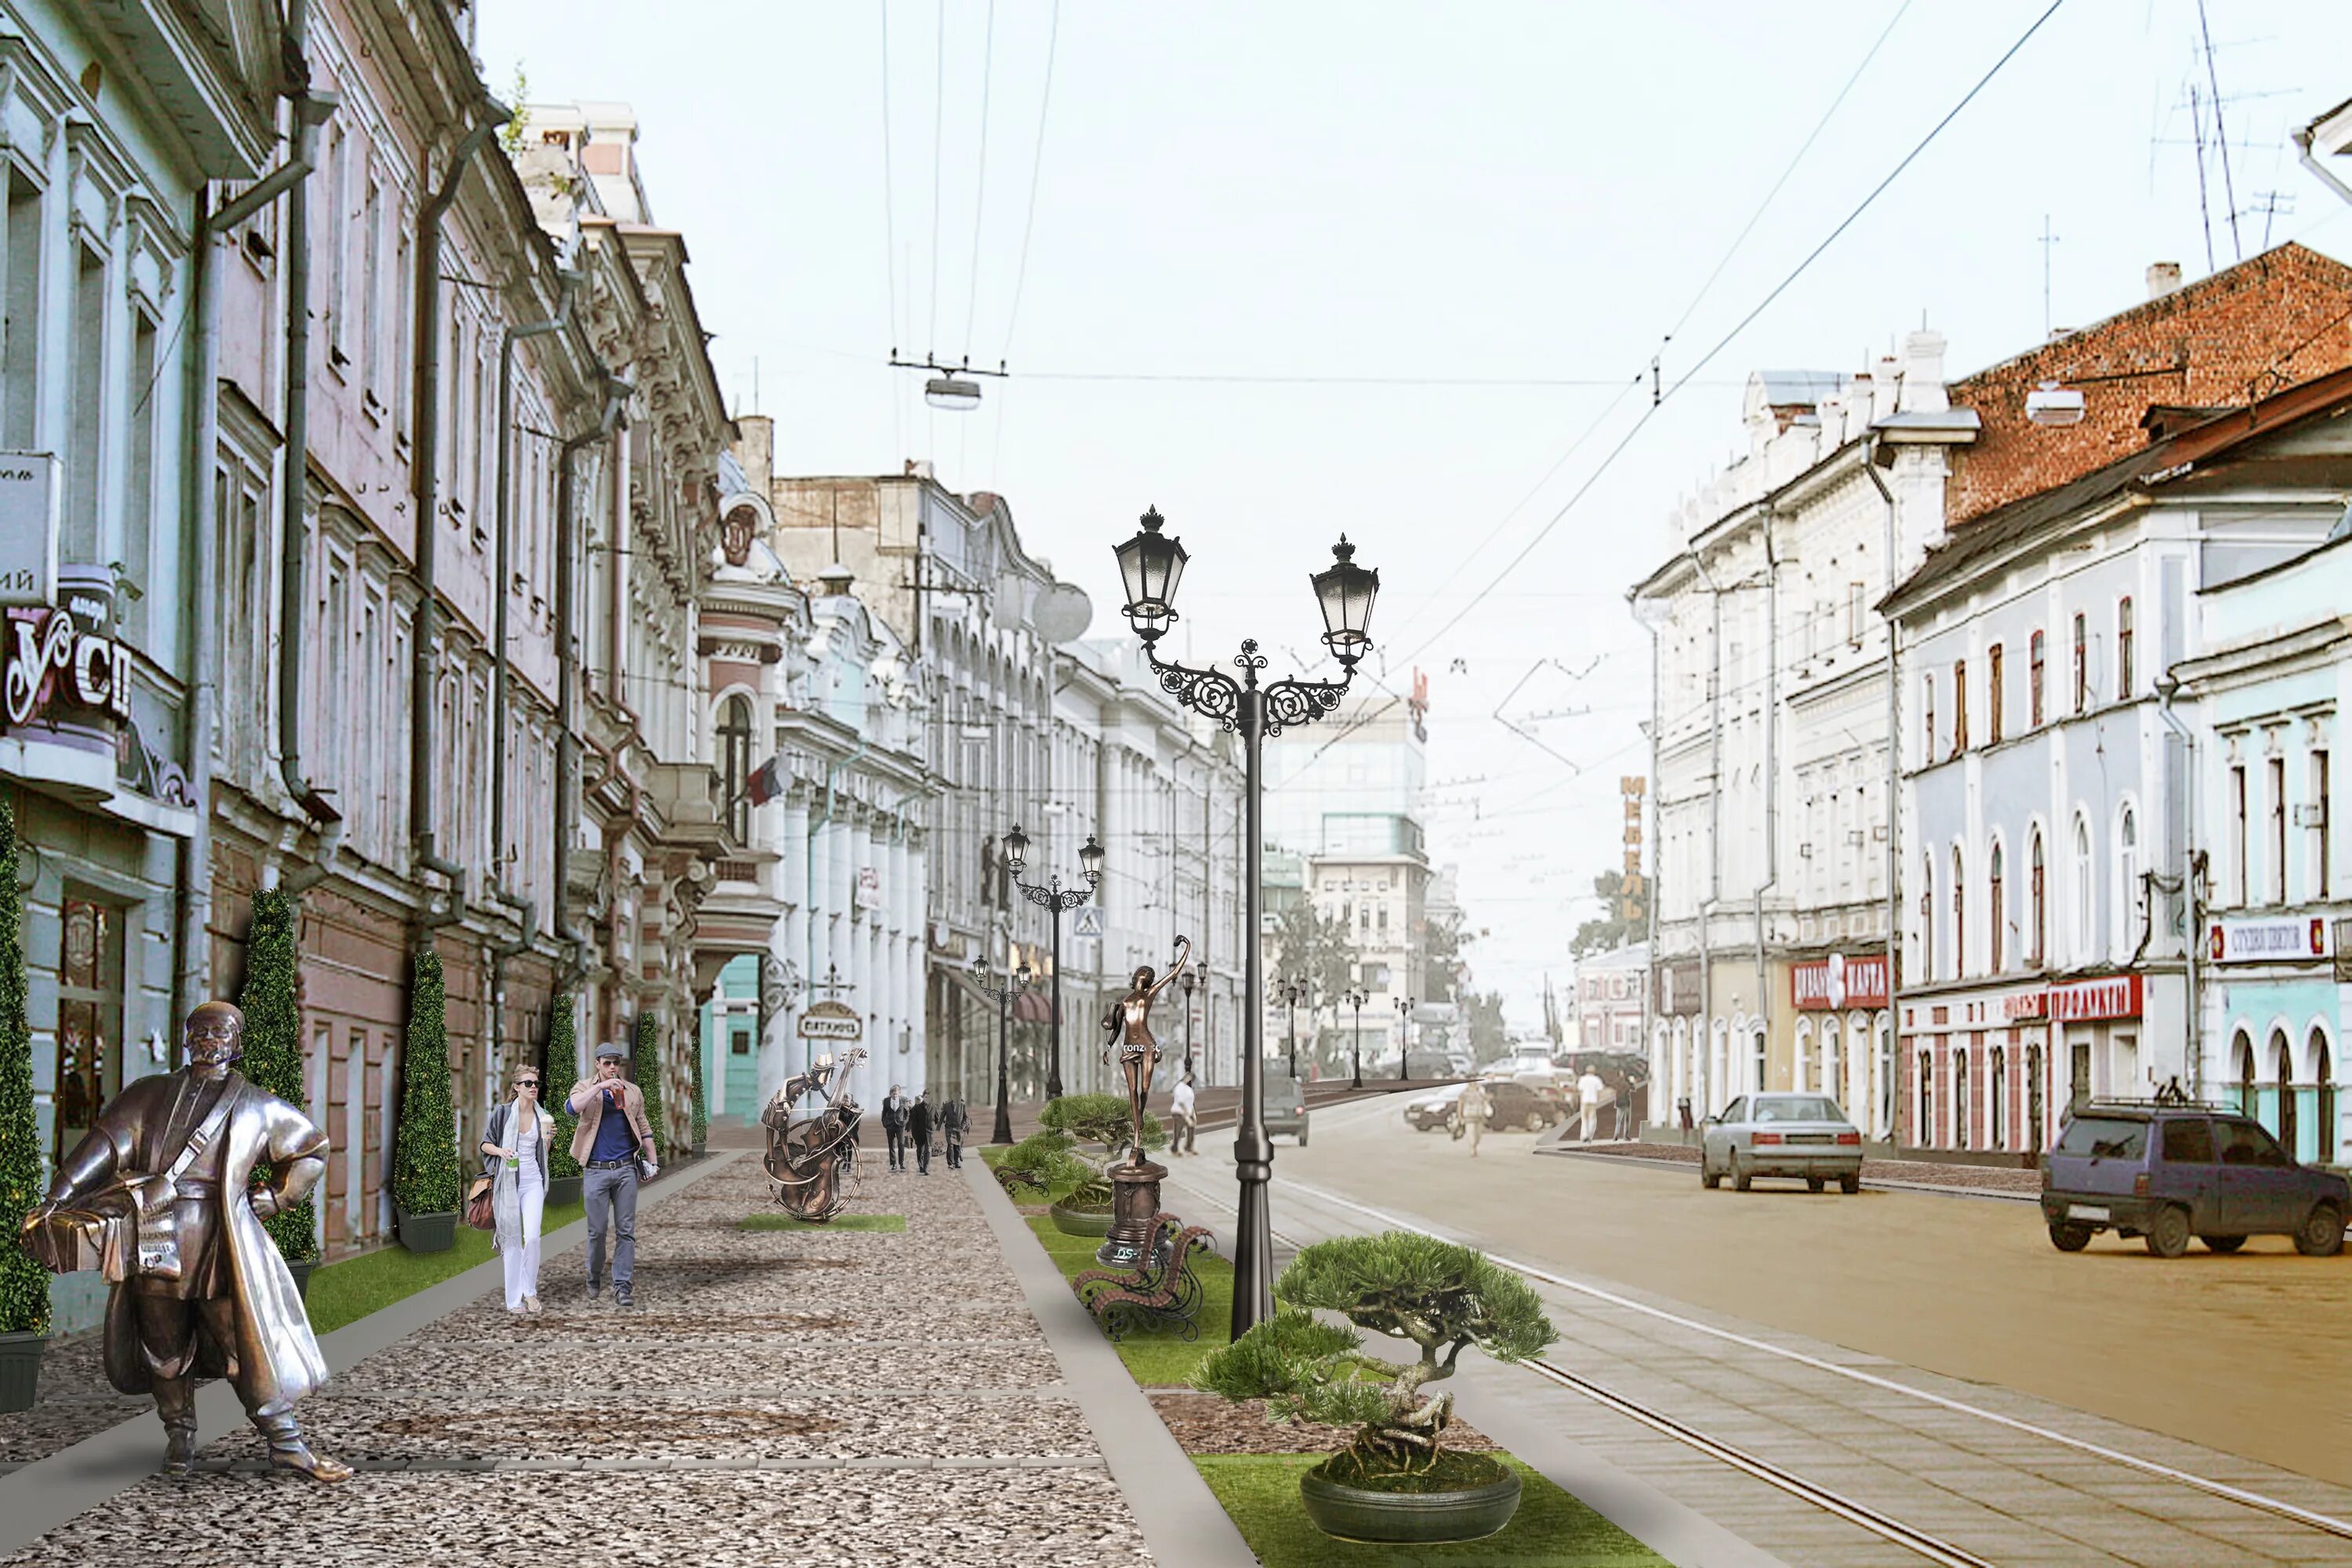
x=89, y=1016
x=1927, y=918
x=2319, y=809
x=2037, y=1125
x=2275, y=767
x=2239, y=880
x=376, y=326
x=1756, y=1057
x=2082, y=664
x=2033, y=680
x=2131, y=898
x=2083, y=900
x=138, y=489
x=2248, y=1144
x=337, y=234
x=1997, y=1101
x=1961, y=1106
x=1993, y=695
x=1960, y=916
x=1996, y=910
x=2105, y=1138
x=85, y=441
x=1857, y=601
x=20, y=325
x=2124, y=648
x=1959, y=706
x=1924, y=1130
x=2189, y=1142
x=2037, y=932
x=1927, y=714
x=735, y=764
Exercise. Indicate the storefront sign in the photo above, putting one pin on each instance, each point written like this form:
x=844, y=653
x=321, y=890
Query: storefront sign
x=62, y=666
x=1677, y=988
x=2268, y=941
x=2112, y=997
x=28, y=528
x=869, y=887
x=1829, y=983
x=2025, y=1005
x=831, y=1020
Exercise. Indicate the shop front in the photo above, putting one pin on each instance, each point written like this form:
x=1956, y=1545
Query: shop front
x=1978, y=1073
x=1844, y=1046
x=2274, y=985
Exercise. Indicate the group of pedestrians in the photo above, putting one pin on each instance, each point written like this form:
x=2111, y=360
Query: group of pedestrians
x=614, y=1145
x=910, y=1124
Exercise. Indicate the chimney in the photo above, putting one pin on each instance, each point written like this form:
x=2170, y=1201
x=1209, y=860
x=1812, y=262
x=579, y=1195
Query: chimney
x=2163, y=278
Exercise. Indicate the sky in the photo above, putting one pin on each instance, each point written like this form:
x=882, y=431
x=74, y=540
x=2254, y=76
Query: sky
x=1401, y=271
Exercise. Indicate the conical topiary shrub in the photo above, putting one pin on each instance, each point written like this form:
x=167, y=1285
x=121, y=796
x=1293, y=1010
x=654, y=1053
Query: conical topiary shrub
x=272, y=1005
x=425, y=1185
x=24, y=1284
x=647, y=1069
x=556, y=1081
x=698, y=1128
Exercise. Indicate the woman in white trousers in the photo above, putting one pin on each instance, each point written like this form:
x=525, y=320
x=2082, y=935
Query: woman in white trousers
x=514, y=1156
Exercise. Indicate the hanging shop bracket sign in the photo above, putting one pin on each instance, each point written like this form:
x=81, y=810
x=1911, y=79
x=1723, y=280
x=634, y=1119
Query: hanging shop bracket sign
x=831, y=1020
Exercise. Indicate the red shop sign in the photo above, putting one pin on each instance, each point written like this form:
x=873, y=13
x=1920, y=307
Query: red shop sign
x=2026, y=1004
x=2114, y=996
x=1827, y=983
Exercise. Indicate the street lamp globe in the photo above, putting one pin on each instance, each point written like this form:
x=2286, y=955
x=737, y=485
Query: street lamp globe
x=1150, y=565
x=1090, y=859
x=1346, y=592
x=1016, y=849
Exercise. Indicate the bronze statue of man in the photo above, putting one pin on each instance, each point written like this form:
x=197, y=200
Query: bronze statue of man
x=1129, y=1023
x=207, y=1294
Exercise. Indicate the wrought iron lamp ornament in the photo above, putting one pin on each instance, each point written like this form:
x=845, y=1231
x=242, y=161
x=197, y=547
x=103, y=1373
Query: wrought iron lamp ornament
x=1060, y=900
x=1005, y=991
x=1152, y=566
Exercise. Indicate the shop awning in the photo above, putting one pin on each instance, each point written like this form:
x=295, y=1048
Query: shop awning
x=1033, y=1007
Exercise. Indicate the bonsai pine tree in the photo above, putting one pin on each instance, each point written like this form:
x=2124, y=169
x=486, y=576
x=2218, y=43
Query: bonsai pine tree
x=698, y=1128
x=1104, y=1119
x=24, y=1284
x=556, y=1083
x=1043, y=1160
x=272, y=1005
x=646, y=1067
x=424, y=1144
x=1440, y=1297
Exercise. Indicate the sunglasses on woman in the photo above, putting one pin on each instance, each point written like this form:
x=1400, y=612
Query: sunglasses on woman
x=526, y=1083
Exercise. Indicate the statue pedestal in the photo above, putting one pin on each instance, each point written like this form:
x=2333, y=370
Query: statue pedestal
x=1135, y=1198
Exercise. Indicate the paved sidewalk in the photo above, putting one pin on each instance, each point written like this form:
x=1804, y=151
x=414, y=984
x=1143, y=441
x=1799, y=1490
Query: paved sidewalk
x=774, y=1397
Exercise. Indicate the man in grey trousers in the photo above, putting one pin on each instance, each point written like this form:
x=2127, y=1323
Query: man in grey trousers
x=612, y=1135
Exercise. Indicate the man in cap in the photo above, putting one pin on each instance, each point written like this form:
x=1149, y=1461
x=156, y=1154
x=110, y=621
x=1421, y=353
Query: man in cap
x=612, y=1136
x=207, y=1295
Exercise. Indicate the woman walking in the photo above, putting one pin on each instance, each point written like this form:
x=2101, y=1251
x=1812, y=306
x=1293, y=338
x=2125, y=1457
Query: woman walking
x=514, y=1156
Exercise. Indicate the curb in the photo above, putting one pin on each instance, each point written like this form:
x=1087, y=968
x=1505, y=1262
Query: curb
x=1181, y=1521
x=53, y=1491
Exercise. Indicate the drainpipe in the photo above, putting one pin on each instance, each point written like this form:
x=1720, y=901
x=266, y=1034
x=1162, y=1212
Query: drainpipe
x=567, y=663
x=2192, y=919
x=1893, y=782
x=1657, y=854
x=1771, y=773
x=426, y=472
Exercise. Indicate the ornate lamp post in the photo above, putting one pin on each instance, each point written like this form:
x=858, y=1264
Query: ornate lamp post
x=1150, y=564
x=1055, y=897
x=1356, y=999
x=1005, y=991
x=1404, y=1059
x=1189, y=978
x=1293, y=992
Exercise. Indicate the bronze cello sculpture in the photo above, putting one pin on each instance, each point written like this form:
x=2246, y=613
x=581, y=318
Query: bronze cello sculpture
x=808, y=1157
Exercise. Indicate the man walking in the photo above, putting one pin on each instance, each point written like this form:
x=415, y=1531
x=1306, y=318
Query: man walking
x=1587, y=1096
x=953, y=1121
x=1185, y=1123
x=612, y=1135
x=1472, y=1109
x=894, y=1126
x=918, y=1129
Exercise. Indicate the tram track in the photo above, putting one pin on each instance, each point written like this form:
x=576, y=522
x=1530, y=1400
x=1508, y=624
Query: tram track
x=1881, y=1524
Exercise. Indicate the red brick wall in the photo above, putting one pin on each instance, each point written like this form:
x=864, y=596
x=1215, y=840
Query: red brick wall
x=2282, y=317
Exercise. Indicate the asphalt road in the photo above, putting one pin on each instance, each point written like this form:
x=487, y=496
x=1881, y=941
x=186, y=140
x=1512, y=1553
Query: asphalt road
x=2242, y=1354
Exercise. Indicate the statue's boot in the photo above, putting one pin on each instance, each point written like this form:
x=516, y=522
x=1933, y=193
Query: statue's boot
x=175, y=1402
x=289, y=1452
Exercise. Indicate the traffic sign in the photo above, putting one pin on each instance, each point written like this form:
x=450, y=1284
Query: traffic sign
x=1090, y=922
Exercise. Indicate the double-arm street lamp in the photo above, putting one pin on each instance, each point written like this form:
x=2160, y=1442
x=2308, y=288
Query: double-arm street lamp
x=1150, y=564
x=1356, y=999
x=1055, y=897
x=1188, y=1020
x=1005, y=991
x=1404, y=1061
x=1293, y=992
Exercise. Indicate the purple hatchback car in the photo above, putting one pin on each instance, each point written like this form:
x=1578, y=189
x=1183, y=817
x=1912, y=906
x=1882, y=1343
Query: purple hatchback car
x=2169, y=1171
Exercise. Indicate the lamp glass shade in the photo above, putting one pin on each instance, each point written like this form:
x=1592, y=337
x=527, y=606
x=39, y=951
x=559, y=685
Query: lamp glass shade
x=952, y=393
x=1346, y=591
x=1016, y=849
x=1091, y=859
x=1150, y=565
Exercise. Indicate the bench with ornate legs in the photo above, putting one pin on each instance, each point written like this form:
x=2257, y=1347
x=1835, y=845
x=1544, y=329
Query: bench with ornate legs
x=1163, y=1293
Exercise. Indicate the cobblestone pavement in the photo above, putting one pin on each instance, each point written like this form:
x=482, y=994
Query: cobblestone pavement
x=807, y=1397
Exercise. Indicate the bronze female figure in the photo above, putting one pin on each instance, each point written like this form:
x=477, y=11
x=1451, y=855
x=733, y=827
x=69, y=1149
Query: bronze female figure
x=1128, y=1023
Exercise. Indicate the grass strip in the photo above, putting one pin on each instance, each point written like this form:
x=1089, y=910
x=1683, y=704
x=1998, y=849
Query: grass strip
x=1552, y=1529
x=876, y=1223
x=342, y=1294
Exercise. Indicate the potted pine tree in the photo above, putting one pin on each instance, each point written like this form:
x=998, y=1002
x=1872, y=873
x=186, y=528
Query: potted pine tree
x=559, y=1077
x=645, y=1066
x=699, y=1127
x=425, y=1188
x=24, y=1284
x=1105, y=1119
x=272, y=1004
x=1396, y=1481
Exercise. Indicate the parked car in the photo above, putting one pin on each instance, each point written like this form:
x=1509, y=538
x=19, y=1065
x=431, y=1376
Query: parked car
x=1285, y=1105
x=1511, y=1105
x=1428, y=1112
x=1803, y=1135
x=2169, y=1171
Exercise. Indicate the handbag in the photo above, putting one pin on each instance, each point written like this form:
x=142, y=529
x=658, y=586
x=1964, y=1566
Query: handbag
x=479, y=1213
x=153, y=1199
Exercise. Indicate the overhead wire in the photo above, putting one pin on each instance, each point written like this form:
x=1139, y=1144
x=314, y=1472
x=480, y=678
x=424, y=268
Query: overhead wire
x=891, y=224
x=980, y=194
x=1037, y=167
x=939, y=144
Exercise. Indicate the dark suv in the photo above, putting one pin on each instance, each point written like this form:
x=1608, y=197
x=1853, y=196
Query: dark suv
x=2170, y=1172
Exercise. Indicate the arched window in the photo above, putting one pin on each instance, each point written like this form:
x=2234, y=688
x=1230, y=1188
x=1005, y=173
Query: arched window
x=2282, y=1054
x=1923, y=1130
x=1959, y=1095
x=2037, y=1125
x=1831, y=1084
x=1800, y=1062
x=2082, y=664
x=1927, y=918
x=1960, y=916
x=1996, y=912
x=2034, y=662
x=2124, y=648
x=735, y=764
x=2130, y=897
x=2083, y=900
x=1998, y=1137
x=1884, y=1027
x=2323, y=1077
x=2038, y=928
x=1756, y=1059
x=1995, y=698
x=2241, y=1050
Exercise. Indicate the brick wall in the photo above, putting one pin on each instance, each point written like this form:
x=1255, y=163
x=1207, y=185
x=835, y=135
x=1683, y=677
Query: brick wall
x=2282, y=317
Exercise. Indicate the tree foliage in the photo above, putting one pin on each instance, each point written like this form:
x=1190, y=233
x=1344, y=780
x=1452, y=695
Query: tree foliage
x=1608, y=930
x=1103, y=1119
x=699, y=1124
x=272, y=1004
x=1316, y=948
x=1440, y=1298
x=24, y=1284
x=1489, y=1037
x=647, y=1069
x=1043, y=1160
x=424, y=1144
x=1442, y=963
x=557, y=1078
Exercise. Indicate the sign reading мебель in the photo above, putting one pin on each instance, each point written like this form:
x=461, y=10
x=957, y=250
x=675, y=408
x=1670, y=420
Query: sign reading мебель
x=831, y=1020
x=2278, y=940
x=28, y=528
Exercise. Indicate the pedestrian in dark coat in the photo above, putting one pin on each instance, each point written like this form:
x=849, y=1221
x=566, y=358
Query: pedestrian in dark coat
x=894, y=1126
x=954, y=1121
x=918, y=1129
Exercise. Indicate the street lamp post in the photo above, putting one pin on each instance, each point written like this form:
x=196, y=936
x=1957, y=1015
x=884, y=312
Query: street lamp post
x=1404, y=1047
x=1055, y=897
x=1150, y=565
x=1005, y=991
x=1356, y=999
x=1293, y=992
x=1188, y=1020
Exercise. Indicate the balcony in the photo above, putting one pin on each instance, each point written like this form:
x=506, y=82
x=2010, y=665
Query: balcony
x=687, y=799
